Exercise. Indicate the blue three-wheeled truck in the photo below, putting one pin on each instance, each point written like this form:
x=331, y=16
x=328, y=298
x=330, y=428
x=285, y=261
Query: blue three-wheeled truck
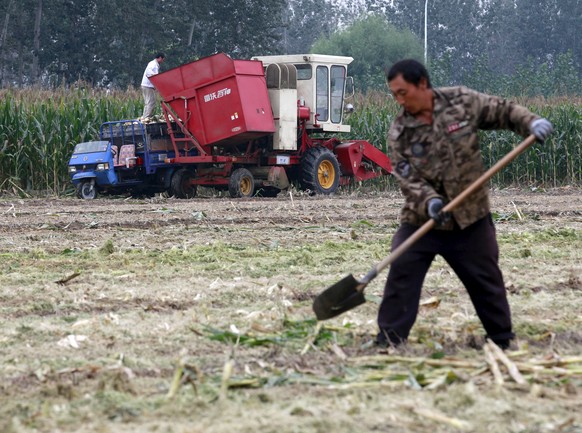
x=130, y=156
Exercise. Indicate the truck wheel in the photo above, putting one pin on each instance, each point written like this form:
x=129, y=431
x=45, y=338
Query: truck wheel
x=181, y=184
x=320, y=171
x=87, y=190
x=241, y=183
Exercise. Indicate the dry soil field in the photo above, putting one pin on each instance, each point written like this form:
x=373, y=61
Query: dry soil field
x=160, y=315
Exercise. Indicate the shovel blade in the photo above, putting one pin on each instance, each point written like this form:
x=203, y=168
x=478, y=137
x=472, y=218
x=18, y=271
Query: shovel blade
x=339, y=298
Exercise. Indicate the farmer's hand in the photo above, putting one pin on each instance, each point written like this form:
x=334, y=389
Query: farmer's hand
x=433, y=209
x=541, y=128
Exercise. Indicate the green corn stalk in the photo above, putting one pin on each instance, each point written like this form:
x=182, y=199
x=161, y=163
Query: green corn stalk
x=38, y=130
x=554, y=163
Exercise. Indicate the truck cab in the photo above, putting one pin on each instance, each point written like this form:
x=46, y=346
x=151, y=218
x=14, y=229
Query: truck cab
x=90, y=164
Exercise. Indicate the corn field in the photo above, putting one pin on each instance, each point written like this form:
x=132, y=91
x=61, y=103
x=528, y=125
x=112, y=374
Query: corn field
x=556, y=162
x=39, y=128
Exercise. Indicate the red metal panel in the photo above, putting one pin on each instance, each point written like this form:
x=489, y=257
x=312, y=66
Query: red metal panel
x=351, y=154
x=257, y=106
x=220, y=100
x=250, y=67
x=220, y=110
x=378, y=157
x=174, y=82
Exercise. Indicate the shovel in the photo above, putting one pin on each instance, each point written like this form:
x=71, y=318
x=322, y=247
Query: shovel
x=348, y=293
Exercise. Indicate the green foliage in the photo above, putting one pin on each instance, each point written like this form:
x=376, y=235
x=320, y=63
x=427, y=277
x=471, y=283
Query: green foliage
x=371, y=120
x=374, y=44
x=108, y=43
x=480, y=43
x=553, y=163
x=292, y=331
x=107, y=248
x=559, y=77
x=304, y=22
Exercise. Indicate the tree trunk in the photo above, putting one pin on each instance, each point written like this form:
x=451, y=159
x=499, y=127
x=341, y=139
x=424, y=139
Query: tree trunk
x=5, y=26
x=191, y=32
x=34, y=73
x=20, y=66
x=3, y=36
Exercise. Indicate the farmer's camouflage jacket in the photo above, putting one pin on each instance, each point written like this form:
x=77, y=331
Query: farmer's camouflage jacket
x=442, y=159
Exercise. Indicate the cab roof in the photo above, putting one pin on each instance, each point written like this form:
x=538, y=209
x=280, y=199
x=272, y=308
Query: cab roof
x=305, y=58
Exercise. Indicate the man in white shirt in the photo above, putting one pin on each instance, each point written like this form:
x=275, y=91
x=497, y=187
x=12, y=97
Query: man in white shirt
x=147, y=88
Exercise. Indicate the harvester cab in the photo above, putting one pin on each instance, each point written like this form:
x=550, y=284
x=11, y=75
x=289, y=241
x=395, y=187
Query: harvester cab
x=315, y=82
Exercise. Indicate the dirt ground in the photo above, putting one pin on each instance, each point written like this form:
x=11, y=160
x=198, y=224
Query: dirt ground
x=123, y=314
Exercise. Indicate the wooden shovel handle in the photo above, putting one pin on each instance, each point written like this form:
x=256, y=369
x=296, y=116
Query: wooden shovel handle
x=490, y=173
x=427, y=226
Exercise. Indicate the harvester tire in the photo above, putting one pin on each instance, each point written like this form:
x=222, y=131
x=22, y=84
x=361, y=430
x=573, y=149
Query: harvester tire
x=181, y=184
x=87, y=190
x=320, y=171
x=241, y=183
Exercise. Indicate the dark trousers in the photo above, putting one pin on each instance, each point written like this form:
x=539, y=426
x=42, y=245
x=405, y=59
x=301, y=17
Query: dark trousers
x=472, y=253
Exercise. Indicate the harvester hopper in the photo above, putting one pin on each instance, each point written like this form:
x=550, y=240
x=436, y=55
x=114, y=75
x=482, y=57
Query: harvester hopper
x=221, y=101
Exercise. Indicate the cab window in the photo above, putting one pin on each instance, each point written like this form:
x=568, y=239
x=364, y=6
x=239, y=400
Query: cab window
x=322, y=91
x=338, y=81
x=303, y=71
x=91, y=146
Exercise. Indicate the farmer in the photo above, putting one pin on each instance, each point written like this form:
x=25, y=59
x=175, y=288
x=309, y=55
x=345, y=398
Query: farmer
x=147, y=88
x=435, y=151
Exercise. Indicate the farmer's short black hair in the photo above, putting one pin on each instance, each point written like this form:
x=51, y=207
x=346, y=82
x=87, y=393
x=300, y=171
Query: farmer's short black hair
x=411, y=70
x=162, y=55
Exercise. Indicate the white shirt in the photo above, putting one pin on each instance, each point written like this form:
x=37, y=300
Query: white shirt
x=153, y=68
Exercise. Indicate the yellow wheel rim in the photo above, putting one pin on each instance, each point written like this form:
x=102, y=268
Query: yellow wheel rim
x=326, y=174
x=245, y=186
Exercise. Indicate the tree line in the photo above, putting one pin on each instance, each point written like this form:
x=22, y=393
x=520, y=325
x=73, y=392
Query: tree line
x=107, y=43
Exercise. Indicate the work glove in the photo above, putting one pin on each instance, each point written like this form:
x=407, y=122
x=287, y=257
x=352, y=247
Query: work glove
x=541, y=128
x=433, y=209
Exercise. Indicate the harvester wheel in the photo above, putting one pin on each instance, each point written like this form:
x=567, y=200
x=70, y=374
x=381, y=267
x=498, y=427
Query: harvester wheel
x=241, y=183
x=320, y=171
x=181, y=184
x=87, y=190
